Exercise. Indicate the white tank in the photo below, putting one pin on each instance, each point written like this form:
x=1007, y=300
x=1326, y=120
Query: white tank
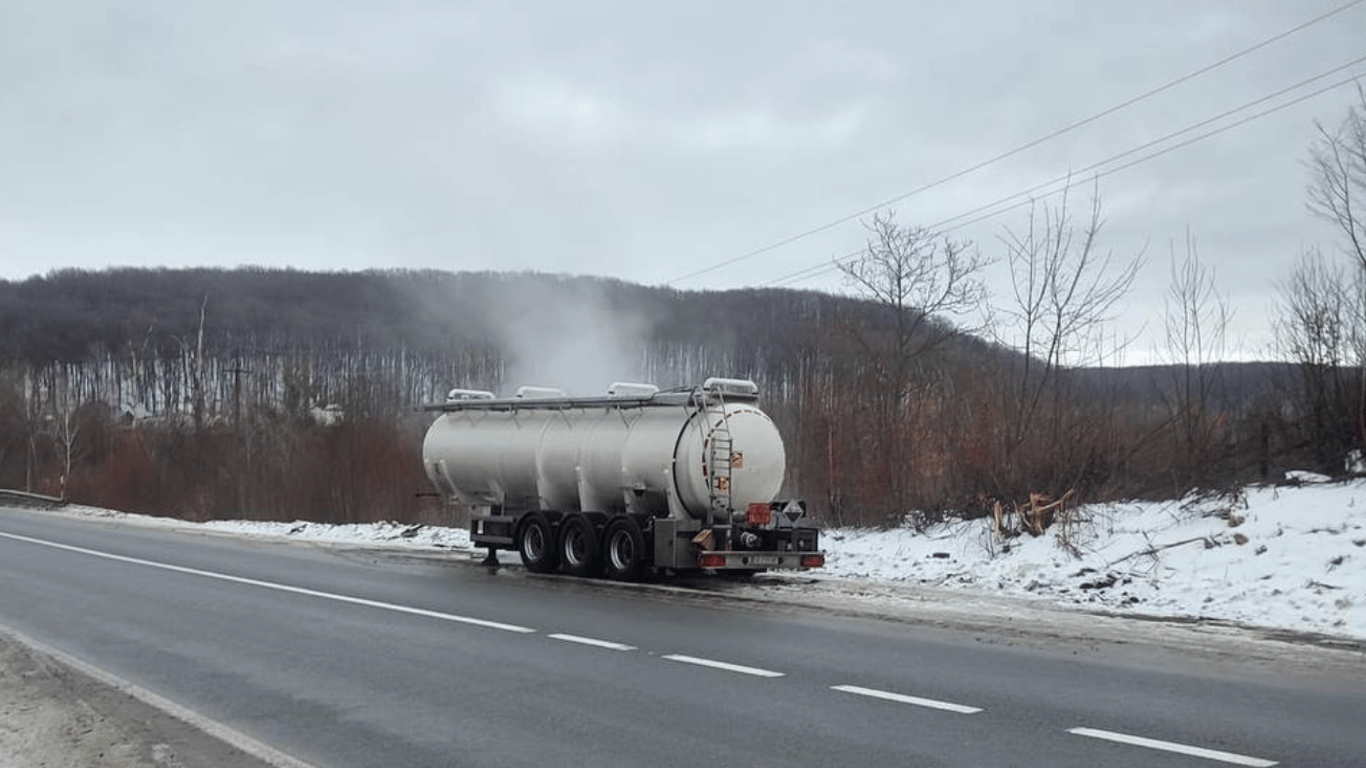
x=613, y=454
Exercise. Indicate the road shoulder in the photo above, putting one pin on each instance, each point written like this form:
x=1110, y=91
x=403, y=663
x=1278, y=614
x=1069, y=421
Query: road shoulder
x=54, y=712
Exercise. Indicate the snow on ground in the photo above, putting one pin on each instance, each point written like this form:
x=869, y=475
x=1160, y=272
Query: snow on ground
x=1289, y=557
x=1286, y=557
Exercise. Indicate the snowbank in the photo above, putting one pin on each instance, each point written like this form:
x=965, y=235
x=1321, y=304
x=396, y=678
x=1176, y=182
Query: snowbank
x=1287, y=557
x=1290, y=557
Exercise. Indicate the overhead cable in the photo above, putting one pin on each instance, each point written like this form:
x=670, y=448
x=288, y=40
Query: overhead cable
x=1027, y=196
x=1021, y=148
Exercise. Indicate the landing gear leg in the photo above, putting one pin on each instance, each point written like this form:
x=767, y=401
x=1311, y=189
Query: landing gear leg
x=491, y=558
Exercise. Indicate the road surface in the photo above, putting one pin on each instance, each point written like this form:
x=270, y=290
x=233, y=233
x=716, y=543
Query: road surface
x=343, y=657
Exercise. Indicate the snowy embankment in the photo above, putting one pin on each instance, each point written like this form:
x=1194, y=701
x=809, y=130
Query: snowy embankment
x=1286, y=557
x=1290, y=557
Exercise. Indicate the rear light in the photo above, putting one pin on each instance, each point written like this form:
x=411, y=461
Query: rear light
x=813, y=561
x=759, y=514
x=711, y=561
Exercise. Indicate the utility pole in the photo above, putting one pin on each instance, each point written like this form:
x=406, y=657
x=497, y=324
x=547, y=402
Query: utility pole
x=240, y=438
x=237, y=372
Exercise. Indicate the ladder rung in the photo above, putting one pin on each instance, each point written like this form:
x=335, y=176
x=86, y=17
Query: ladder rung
x=720, y=453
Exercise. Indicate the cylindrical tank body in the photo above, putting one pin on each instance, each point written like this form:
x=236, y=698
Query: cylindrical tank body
x=605, y=458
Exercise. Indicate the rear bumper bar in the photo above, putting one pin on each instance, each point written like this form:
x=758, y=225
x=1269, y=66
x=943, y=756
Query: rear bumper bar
x=731, y=560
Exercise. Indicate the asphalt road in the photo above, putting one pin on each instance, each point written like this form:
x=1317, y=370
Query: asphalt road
x=364, y=658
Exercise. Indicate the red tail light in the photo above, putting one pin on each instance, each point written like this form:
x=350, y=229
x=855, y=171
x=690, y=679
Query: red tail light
x=711, y=561
x=813, y=561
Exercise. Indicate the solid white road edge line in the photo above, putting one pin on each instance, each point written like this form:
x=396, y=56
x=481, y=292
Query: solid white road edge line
x=611, y=646
x=217, y=730
x=904, y=699
x=278, y=587
x=1171, y=746
x=723, y=665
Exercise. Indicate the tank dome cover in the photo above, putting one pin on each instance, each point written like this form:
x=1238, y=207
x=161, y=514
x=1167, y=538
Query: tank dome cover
x=537, y=393
x=468, y=394
x=731, y=388
x=631, y=389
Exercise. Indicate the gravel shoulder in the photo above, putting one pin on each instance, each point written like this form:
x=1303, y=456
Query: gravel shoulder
x=54, y=714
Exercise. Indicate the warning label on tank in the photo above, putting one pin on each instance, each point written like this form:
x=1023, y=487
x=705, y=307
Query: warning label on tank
x=737, y=460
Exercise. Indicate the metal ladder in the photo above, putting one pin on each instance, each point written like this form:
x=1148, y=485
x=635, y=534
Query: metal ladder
x=720, y=458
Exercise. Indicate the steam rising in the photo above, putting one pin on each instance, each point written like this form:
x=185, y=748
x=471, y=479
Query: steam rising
x=568, y=336
x=570, y=333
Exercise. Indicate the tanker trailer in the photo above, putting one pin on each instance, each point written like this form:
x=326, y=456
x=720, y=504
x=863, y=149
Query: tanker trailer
x=636, y=481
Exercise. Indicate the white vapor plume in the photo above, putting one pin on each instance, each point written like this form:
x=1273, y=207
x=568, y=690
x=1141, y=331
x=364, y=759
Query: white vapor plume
x=568, y=336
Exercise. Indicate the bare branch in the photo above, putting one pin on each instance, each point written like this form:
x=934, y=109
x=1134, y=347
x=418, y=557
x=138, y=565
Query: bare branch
x=1196, y=323
x=921, y=277
x=1337, y=162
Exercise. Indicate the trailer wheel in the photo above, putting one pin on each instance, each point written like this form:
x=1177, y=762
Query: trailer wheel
x=623, y=549
x=536, y=544
x=578, y=551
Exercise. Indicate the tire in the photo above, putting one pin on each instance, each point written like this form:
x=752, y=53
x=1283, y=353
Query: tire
x=623, y=550
x=578, y=550
x=536, y=544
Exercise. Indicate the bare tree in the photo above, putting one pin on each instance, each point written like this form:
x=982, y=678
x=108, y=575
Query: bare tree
x=1196, y=323
x=41, y=382
x=1337, y=191
x=1064, y=289
x=13, y=425
x=919, y=279
x=1319, y=328
x=62, y=424
x=66, y=431
x=194, y=366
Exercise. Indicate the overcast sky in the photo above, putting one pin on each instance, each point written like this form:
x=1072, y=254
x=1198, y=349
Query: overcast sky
x=648, y=140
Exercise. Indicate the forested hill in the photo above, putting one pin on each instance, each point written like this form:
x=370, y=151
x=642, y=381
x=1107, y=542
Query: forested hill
x=70, y=315
x=74, y=316
x=221, y=390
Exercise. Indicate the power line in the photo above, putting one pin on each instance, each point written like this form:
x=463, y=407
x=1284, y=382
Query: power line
x=820, y=269
x=1020, y=148
x=944, y=225
x=1172, y=135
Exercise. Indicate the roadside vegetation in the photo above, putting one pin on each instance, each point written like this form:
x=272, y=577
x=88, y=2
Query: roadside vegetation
x=276, y=394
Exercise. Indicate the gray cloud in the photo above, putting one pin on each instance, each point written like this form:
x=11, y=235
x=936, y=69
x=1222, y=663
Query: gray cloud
x=639, y=140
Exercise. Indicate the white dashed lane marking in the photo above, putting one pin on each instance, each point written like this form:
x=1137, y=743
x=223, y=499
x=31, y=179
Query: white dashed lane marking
x=1122, y=738
x=902, y=698
x=609, y=645
x=280, y=587
x=755, y=671
x=1171, y=746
